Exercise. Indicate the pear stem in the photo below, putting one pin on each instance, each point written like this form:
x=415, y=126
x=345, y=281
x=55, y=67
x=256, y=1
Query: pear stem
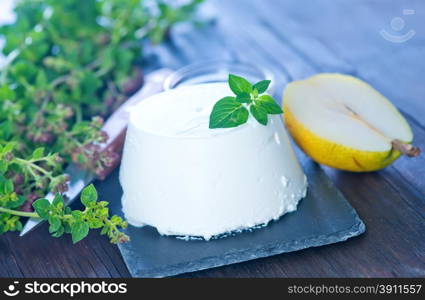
x=406, y=149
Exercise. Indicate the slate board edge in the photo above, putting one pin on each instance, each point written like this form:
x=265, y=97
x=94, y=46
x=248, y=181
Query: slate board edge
x=249, y=254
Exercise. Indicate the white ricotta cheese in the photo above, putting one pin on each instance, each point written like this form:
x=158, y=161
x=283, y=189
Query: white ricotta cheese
x=186, y=179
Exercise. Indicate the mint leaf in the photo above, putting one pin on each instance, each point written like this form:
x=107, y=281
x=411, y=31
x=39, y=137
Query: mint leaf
x=88, y=195
x=95, y=223
x=227, y=113
x=239, y=85
x=59, y=232
x=234, y=111
x=259, y=113
x=269, y=104
x=42, y=207
x=77, y=214
x=58, y=200
x=7, y=93
x=8, y=186
x=79, y=230
x=38, y=153
x=41, y=79
x=262, y=86
x=55, y=223
x=8, y=147
x=243, y=98
x=3, y=166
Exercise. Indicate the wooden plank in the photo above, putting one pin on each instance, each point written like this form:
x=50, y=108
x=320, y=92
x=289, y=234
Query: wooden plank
x=8, y=264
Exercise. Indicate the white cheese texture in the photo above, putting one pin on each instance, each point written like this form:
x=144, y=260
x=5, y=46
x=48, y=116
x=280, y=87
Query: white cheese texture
x=186, y=179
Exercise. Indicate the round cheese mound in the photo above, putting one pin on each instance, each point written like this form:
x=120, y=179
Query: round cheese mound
x=188, y=180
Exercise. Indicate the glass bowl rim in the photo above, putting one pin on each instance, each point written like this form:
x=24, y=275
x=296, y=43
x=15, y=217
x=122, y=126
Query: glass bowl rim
x=193, y=69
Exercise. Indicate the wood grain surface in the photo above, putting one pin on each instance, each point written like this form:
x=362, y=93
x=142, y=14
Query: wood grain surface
x=295, y=39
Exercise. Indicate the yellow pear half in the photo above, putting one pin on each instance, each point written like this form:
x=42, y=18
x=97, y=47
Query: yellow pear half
x=342, y=122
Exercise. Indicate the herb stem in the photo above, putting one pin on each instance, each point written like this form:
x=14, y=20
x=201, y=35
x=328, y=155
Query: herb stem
x=19, y=213
x=62, y=79
x=73, y=139
x=59, y=81
x=78, y=113
x=9, y=59
x=31, y=165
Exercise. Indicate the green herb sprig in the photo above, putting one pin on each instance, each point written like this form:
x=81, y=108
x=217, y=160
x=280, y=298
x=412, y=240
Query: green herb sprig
x=233, y=111
x=62, y=219
x=70, y=64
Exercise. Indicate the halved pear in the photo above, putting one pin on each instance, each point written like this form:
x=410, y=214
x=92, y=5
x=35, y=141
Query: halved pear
x=341, y=121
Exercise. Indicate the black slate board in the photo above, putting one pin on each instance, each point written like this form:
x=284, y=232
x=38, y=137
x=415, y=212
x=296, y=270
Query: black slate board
x=323, y=217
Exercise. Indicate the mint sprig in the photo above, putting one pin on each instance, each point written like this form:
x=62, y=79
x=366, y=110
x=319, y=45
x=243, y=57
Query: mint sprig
x=232, y=111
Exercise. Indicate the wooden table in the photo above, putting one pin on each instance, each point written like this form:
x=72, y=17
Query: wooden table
x=295, y=39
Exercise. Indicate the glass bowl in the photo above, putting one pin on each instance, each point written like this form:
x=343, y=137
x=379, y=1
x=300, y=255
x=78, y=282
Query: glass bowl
x=217, y=71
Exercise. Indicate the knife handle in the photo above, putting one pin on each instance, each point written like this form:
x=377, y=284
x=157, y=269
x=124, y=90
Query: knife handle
x=116, y=125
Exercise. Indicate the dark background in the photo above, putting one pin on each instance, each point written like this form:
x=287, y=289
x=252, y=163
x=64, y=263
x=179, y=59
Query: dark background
x=295, y=39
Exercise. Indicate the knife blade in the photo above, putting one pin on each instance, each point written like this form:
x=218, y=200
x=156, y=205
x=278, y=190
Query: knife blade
x=115, y=127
